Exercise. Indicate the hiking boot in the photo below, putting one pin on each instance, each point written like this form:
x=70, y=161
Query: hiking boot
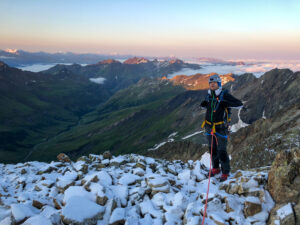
x=215, y=171
x=223, y=177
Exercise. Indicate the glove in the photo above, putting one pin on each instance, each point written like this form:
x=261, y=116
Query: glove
x=204, y=104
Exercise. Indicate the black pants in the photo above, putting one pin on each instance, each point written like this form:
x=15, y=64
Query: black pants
x=219, y=153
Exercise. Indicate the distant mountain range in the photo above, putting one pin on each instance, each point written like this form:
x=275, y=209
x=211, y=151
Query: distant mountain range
x=38, y=106
x=14, y=57
x=18, y=58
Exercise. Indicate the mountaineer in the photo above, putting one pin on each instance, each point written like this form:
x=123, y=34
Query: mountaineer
x=218, y=103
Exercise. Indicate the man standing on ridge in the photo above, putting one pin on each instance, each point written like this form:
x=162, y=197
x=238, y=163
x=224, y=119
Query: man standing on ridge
x=218, y=103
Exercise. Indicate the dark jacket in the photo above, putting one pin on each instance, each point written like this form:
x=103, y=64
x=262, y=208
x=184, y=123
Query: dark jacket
x=216, y=110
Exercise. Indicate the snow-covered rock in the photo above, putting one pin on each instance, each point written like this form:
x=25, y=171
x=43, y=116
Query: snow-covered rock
x=118, y=216
x=80, y=210
x=37, y=220
x=131, y=189
x=22, y=211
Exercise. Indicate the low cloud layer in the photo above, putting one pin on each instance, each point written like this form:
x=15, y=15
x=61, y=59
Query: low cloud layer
x=257, y=68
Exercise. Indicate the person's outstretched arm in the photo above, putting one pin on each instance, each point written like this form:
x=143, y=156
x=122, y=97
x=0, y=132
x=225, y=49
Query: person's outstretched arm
x=231, y=102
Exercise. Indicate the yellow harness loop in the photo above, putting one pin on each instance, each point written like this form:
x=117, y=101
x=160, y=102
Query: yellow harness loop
x=213, y=125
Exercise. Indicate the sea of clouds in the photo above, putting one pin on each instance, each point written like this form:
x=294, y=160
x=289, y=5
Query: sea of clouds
x=258, y=68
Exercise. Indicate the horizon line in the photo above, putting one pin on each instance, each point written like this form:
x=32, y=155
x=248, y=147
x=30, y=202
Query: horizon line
x=148, y=56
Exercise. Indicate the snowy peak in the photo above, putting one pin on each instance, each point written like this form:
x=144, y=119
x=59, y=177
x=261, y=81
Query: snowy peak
x=138, y=60
x=12, y=51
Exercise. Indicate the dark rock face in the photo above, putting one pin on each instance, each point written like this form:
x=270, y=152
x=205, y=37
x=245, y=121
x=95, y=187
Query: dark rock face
x=257, y=144
x=275, y=90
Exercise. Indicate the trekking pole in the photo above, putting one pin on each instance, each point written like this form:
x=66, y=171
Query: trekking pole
x=212, y=142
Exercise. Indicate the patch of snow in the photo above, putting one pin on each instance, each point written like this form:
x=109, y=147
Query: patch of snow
x=7, y=221
x=104, y=178
x=37, y=220
x=173, y=134
x=4, y=213
x=21, y=211
x=98, y=80
x=117, y=215
x=157, y=146
x=78, y=191
x=78, y=209
x=240, y=124
x=188, y=136
x=263, y=115
x=147, y=207
x=284, y=211
x=128, y=179
x=205, y=159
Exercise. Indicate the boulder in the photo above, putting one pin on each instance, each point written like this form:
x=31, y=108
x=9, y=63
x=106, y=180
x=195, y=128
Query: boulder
x=85, y=159
x=284, y=176
x=282, y=214
x=62, y=157
x=251, y=208
x=37, y=204
x=57, y=205
x=141, y=165
x=101, y=200
x=107, y=155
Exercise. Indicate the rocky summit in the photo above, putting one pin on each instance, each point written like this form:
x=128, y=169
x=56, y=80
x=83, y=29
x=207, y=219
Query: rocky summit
x=132, y=189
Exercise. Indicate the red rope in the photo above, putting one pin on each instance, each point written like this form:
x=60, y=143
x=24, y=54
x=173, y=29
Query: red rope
x=212, y=139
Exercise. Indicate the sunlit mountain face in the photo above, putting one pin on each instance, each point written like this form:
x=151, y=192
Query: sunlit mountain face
x=197, y=81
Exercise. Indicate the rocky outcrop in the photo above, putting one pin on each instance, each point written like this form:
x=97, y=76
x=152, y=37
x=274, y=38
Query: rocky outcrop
x=284, y=186
x=257, y=145
x=62, y=157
